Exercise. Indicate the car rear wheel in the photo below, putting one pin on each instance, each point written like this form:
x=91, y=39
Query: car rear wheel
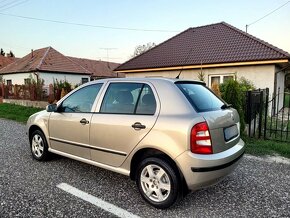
x=158, y=182
x=38, y=144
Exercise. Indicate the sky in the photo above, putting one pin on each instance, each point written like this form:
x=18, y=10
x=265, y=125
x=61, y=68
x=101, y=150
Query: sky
x=99, y=41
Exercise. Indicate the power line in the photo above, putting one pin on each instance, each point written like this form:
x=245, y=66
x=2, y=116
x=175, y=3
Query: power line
x=12, y=6
x=86, y=25
x=266, y=15
x=9, y=3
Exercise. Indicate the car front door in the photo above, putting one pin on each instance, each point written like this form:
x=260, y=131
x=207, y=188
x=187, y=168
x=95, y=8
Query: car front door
x=127, y=113
x=69, y=126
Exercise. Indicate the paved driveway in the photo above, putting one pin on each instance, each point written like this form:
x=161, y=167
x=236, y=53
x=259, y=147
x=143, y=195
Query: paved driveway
x=28, y=188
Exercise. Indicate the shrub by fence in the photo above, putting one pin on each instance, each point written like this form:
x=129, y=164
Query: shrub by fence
x=33, y=92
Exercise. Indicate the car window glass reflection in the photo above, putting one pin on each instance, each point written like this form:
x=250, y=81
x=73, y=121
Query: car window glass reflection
x=82, y=100
x=121, y=98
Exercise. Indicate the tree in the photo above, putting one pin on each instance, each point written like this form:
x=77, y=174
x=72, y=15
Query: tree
x=201, y=76
x=10, y=54
x=142, y=48
x=2, y=52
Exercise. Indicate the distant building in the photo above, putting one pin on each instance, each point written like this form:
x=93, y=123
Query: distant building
x=4, y=61
x=50, y=65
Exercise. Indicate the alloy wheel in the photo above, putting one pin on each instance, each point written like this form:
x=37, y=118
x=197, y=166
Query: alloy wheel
x=37, y=145
x=155, y=183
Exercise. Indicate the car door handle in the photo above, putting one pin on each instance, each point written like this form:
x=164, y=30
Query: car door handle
x=84, y=121
x=138, y=125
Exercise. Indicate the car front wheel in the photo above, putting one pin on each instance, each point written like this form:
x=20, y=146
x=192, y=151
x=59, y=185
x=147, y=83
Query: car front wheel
x=158, y=182
x=38, y=144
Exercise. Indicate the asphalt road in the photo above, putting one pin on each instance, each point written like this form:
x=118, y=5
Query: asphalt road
x=28, y=188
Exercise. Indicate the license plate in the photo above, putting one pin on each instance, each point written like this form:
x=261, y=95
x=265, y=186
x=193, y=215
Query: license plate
x=231, y=132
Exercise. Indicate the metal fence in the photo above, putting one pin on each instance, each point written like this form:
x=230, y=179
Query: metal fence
x=268, y=119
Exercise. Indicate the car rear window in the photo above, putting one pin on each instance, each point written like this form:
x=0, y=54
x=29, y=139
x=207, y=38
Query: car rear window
x=200, y=97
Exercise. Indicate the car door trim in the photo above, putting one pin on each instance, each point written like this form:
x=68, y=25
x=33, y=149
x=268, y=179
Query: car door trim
x=89, y=146
x=95, y=163
x=214, y=168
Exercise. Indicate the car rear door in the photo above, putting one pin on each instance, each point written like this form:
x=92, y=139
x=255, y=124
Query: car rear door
x=127, y=113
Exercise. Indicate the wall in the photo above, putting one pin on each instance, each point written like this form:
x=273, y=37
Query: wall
x=48, y=78
x=27, y=103
x=71, y=78
x=261, y=75
x=280, y=87
x=17, y=78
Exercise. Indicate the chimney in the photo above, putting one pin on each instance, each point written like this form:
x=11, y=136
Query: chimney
x=31, y=53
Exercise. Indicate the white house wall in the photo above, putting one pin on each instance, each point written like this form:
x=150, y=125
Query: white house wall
x=18, y=78
x=262, y=76
x=280, y=87
x=71, y=78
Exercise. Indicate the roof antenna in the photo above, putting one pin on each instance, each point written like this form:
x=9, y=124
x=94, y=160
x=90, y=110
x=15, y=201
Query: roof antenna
x=189, y=53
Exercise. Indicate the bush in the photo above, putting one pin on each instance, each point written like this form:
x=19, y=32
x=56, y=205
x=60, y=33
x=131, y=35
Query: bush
x=246, y=84
x=233, y=95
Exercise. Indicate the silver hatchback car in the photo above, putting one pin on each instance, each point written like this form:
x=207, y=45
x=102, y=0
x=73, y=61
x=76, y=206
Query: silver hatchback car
x=169, y=135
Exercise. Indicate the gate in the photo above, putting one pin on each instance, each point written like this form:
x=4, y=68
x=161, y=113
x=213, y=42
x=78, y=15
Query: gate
x=278, y=124
x=266, y=118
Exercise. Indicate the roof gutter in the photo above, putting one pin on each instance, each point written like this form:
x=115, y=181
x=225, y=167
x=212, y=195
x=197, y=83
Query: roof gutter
x=205, y=66
x=45, y=71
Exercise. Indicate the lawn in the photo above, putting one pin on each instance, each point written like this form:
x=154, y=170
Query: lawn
x=17, y=112
x=261, y=147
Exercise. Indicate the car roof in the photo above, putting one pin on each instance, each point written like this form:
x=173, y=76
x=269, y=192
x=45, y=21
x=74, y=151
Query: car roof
x=147, y=79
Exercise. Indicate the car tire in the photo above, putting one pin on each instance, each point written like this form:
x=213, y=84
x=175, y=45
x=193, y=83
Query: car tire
x=38, y=145
x=158, y=182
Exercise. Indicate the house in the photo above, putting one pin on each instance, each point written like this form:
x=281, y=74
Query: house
x=50, y=65
x=220, y=51
x=99, y=69
x=4, y=61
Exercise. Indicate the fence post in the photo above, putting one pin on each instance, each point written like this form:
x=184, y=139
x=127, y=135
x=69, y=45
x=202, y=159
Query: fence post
x=260, y=113
x=3, y=90
x=266, y=113
x=249, y=102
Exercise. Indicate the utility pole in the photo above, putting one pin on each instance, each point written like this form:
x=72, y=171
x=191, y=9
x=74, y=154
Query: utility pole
x=247, y=28
x=107, y=49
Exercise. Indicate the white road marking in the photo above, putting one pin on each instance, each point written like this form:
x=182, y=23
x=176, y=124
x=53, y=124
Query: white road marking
x=96, y=201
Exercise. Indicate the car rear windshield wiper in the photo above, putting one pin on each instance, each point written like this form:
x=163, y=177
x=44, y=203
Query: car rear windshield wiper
x=225, y=106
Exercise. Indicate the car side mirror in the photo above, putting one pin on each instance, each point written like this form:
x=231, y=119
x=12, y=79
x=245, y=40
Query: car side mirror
x=51, y=108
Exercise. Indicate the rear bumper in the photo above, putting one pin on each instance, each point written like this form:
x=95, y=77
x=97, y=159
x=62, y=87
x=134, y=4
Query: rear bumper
x=201, y=171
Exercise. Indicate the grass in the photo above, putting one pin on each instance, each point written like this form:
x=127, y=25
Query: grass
x=17, y=112
x=261, y=147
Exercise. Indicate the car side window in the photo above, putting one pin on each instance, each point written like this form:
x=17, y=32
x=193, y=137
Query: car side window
x=82, y=100
x=121, y=98
x=147, y=102
x=129, y=98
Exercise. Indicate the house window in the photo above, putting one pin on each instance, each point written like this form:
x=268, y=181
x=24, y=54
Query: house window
x=9, y=82
x=27, y=81
x=218, y=79
x=85, y=80
x=215, y=79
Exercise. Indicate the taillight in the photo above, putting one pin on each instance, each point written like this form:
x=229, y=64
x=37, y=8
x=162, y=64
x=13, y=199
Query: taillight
x=200, y=141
